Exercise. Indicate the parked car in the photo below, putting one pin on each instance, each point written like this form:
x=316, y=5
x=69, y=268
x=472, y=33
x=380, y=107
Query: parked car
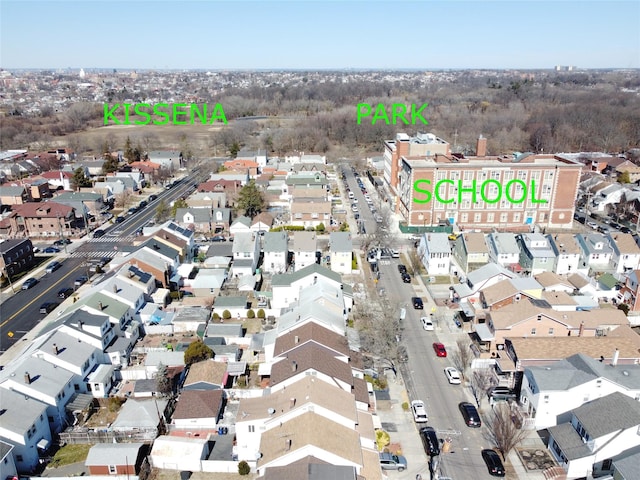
x=427, y=323
x=453, y=375
x=98, y=233
x=82, y=279
x=395, y=253
x=119, y=219
x=65, y=292
x=493, y=462
x=439, y=349
x=28, y=283
x=430, y=441
x=152, y=197
x=470, y=414
x=406, y=278
x=218, y=238
x=62, y=241
x=419, y=411
x=48, y=307
x=143, y=204
x=52, y=267
x=417, y=303
x=593, y=225
x=51, y=250
x=389, y=461
x=402, y=269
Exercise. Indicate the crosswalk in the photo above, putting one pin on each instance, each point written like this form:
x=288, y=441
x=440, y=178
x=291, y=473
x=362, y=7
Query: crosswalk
x=100, y=254
x=385, y=262
x=126, y=238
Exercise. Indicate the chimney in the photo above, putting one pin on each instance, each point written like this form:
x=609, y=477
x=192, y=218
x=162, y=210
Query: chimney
x=115, y=288
x=481, y=147
x=55, y=349
x=100, y=305
x=296, y=339
x=614, y=360
x=287, y=444
x=292, y=402
x=294, y=366
x=581, y=331
x=27, y=378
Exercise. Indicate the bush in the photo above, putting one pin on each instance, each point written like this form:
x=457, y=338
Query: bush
x=344, y=227
x=174, y=295
x=244, y=468
x=226, y=314
x=624, y=307
x=320, y=227
x=216, y=316
x=251, y=313
x=382, y=439
x=354, y=262
x=405, y=406
x=261, y=313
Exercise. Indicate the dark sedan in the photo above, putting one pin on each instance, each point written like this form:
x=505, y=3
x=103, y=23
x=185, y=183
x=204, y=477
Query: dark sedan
x=470, y=415
x=28, y=283
x=65, y=292
x=494, y=464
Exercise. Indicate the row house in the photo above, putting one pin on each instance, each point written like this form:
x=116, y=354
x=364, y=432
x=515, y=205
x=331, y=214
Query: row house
x=13, y=195
x=246, y=253
x=305, y=248
x=341, y=252
x=536, y=253
x=568, y=253
x=470, y=251
x=275, y=252
x=38, y=220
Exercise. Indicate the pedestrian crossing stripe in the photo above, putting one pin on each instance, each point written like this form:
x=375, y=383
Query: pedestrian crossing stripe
x=111, y=239
x=107, y=253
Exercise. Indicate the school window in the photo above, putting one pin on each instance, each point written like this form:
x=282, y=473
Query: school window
x=504, y=217
x=490, y=217
x=477, y=217
x=468, y=176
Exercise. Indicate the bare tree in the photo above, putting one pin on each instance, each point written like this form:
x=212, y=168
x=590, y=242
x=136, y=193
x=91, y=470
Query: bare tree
x=380, y=333
x=481, y=380
x=462, y=355
x=502, y=429
x=123, y=199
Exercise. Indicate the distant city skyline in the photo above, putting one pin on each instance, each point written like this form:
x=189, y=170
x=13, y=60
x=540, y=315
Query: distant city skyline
x=319, y=35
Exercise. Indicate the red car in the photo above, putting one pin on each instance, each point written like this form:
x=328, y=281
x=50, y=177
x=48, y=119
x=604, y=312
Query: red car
x=439, y=349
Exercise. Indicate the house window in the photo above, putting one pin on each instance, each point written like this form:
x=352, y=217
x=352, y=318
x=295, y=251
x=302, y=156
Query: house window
x=252, y=428
x=19, y=458
x=112, y=470
x=533, y=331
x=551, y=331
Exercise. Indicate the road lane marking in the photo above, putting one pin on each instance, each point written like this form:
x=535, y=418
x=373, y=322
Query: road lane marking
x=35, y=299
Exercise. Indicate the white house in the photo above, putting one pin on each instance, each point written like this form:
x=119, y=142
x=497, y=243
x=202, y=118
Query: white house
x=435, y=253
x=596, y=432
x=276, y=252
x=549, y=392
x=246, y=253
x=341, y=251
x=503, y=248
x=567, y=253
x=596, y=253
x=198, y=409
x=286, y=287
x=305, y=246
x=241, y=224
x=626, y=253
x=42, y=381
x=24, y=425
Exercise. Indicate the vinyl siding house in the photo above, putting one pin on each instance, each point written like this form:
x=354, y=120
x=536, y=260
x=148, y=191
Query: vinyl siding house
x=626, y=253
x=241, y=224
x=567, y=252
x=287, y=287
x=596, y=432
x=341, y=251
x=536, y=253
x=597, y=254
x=246, y=253
x=503, y=249
x=24, y=425
x=42, y=381
x=549, y=392
x=305, y=246
x=276, y=252
x=435, y=253
x=470, y=251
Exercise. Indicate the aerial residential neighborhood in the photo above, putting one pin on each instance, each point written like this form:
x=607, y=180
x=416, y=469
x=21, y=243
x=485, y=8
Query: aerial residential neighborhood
x=320, y=240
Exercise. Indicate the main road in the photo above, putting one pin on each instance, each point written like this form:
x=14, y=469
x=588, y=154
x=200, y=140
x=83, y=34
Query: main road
x=20, y=309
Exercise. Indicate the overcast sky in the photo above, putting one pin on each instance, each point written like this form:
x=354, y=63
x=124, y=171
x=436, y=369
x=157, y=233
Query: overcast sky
x=314, y=34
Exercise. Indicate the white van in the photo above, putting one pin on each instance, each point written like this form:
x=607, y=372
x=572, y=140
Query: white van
x=427, y=323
